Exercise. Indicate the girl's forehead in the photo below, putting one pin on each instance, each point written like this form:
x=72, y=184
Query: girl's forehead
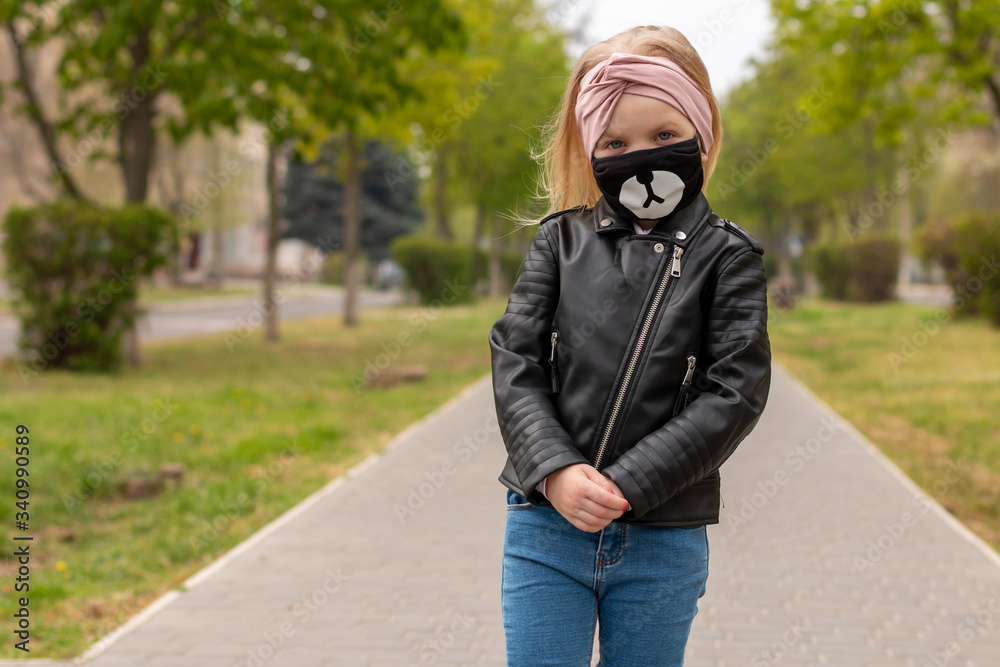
x=639, y=110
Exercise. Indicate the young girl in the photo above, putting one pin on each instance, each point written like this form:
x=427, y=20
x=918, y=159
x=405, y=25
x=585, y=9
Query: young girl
x=631, y=361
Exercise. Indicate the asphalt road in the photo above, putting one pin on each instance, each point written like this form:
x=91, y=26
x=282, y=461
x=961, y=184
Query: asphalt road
x=197, y=316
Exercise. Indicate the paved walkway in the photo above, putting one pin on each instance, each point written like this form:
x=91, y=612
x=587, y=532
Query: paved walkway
x=825, y=555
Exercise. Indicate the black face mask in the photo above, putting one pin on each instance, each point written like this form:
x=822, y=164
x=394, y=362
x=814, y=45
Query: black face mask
x=653, y=183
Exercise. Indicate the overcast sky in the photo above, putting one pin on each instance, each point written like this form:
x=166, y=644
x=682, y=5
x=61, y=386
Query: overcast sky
x=725, y=32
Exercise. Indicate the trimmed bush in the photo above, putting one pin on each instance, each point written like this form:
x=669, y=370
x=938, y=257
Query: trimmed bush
x=864, y=270
x=967, y=250
x=439, y=270
x=76, y=269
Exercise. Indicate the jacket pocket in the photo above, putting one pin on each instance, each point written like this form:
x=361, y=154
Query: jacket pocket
x=553, y=368
x=687, y=391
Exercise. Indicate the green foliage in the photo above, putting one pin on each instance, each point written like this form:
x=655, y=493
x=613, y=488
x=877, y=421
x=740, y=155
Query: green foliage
x=481, y=139
x=314, y=201
x=440, y=270
x=303, y=68
x=77, y=268
x=967, y=250
x=863, y=270
x=333, y=268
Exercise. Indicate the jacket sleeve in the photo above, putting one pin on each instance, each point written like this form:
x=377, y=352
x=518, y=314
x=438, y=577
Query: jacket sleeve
x=537, y=443
x=734, y=391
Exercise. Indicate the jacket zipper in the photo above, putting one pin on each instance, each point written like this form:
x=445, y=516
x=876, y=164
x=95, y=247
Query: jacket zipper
x=692, y=360
x=675, y=272
x=552, y=362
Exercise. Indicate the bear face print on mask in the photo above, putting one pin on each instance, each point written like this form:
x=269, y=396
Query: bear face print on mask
x=653, y=183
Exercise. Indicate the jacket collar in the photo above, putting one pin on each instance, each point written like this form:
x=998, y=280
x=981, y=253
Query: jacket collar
x=680, y=226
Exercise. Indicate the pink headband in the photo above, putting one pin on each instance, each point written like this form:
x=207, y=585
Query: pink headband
x=649, y=76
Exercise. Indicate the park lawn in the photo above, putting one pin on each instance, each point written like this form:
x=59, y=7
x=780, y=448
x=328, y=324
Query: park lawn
x=149, y=294
x=257, y=429
x=923, y=386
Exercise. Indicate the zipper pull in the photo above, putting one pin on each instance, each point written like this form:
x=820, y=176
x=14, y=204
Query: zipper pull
x=690, y=371
x=675, y=269
x=552, y=362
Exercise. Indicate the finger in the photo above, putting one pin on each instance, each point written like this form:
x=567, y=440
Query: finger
x=599, y=510
x=597, y=478
x=603, y=497
x=589, y=525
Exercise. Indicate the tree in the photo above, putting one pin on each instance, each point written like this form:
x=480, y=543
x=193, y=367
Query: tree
x=219, y=63
x=781, y=170
x=314, y=201
x=905, y=67
x=501, y=114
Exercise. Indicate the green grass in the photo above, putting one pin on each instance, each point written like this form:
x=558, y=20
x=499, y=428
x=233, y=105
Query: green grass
x=151, y=294
x=226, y=417
x=921, y=385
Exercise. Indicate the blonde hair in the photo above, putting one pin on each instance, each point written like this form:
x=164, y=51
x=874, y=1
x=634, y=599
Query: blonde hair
x=567, y=179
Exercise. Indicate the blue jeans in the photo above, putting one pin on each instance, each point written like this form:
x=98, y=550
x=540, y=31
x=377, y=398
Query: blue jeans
x=642, y=583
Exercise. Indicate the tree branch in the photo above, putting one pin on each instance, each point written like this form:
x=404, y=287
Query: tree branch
x=34, y=112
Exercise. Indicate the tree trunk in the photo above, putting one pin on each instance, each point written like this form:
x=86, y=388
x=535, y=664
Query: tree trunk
x=494, y=267
x=273, y=236
x=784, y=261
x=441, y=196
x=904, y=222
x=34, y=111
x=136, y=148
x=477, y=236
x=217, y=265
x=352, y=227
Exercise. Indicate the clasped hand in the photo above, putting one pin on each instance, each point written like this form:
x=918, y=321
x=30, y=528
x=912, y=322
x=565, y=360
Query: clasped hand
x=585, y=497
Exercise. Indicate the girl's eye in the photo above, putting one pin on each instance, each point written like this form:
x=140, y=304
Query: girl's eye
x=614, y=145
x=665, y=136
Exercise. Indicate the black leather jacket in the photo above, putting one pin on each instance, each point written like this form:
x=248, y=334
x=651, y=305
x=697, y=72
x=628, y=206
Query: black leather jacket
x=646, y=356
